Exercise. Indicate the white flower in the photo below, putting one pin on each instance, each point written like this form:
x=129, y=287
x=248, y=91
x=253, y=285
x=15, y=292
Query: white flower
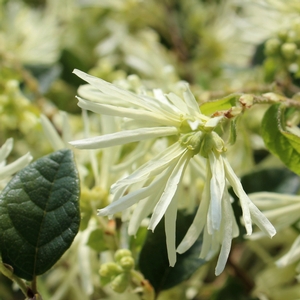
x=10, y=169
x=153, y=187
x=215, y=217
x=158, y=116
x=20, y=36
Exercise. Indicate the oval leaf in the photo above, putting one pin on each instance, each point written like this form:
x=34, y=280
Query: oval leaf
x=39, y=214
x=210, y=107
x=280, y=142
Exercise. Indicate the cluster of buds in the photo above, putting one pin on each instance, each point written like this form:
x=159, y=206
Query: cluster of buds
x=283, y=50
x=118, y=273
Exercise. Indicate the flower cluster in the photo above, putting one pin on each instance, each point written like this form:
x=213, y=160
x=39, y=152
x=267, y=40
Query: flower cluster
x=152, y=189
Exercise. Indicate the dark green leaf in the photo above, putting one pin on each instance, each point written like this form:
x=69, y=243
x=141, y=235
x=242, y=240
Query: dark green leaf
x=277, y=180
x=280, y=142
x=234, y=288
x=68, y=60
x=154, y=263
x=39, y=214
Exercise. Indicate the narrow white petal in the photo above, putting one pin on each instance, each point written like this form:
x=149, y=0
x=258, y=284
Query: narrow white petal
x=199, y=220
x=6, y=149
x=194, y=125
x=161, y=107
x=123, y=203
x=239, y=191
x=108, y=88
x=119, y=193
x=191, y=101
x=124, y=137
x=196, y=227
x=15, y=166
x=52, y=134
x=261, y=221
x=132, y=113
x=227, y=237
x=199, y=165
x=164, y=104
x=111, y=90
x=129, y=199
x=170, y=190
x=268, y=200
x=66, y=129
x=178, y=102
x=284, y=216
x=206, y=249
x=213, y=122
x=217, y=187
x=142, y=210
x=153, y=167
x=170, y=230
x=292, y=256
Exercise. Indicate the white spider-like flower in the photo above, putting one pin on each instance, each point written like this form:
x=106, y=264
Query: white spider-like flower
x=154, y=186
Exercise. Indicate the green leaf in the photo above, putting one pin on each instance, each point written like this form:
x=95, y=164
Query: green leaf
x=208, y=108
x=39, y=214
x=154, y=263
x=96, y=240
x=280, y=142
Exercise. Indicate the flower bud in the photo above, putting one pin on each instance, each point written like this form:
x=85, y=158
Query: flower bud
x=288, y=50
x=192, y=141
x=127, y=263
x=272, y=46
x=283, y=34
x=122, y=253
x=212, y=142
x=110, y=270
x=120, y=283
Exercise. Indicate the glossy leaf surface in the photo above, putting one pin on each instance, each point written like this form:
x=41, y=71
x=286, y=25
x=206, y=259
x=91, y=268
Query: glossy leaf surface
x=39, y=214
x=279, y=141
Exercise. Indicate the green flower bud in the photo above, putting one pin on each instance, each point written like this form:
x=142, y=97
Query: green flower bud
x=127, y=263
x=288, y=50
x=283, y=35
x=122, y=253
x=212, y=142
x=120, y=283
x=192, y=141
x=272, y=46
x=110, y=270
